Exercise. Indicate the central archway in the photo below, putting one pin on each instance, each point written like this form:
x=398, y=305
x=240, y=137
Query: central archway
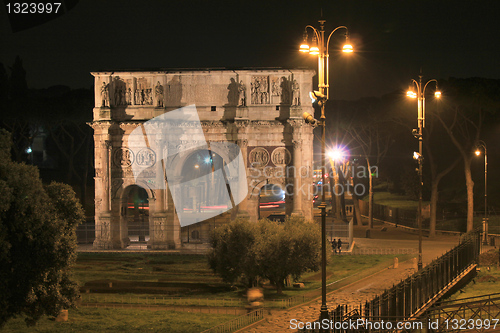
x=205, y=194
x=206, y=190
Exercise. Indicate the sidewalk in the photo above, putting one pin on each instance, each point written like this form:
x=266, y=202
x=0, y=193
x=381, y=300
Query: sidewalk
x=353, y=294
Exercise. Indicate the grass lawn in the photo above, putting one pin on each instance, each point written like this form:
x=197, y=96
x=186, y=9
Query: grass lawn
x=123, y=321
x=394, y=200
x=142, y=267
x=485, y=283
x=487, y=280
x=189, y=278
x=461, y=224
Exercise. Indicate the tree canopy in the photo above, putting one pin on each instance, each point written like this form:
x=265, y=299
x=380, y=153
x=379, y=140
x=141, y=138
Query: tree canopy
x=245, y=251
x=37, y=241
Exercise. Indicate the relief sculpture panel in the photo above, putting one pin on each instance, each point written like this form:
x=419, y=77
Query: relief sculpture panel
x=260, y=90
x=143, y=92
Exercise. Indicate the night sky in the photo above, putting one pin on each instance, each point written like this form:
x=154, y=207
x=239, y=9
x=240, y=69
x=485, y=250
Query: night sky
x=392, y=40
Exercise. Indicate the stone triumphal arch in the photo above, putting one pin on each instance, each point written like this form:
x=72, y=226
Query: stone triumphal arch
x=138, y=180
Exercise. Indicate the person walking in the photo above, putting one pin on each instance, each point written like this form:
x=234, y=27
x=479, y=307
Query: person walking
x=334, y=245
x=339, y=245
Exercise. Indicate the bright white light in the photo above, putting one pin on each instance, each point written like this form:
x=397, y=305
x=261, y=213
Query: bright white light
x=336, y=154
x=29, y=150
x=411, y=94
x=347, y=48
x=314, y=50
x=416, y=156
x=304, y=47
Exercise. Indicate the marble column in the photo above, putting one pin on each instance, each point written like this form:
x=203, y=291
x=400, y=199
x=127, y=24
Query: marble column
x=297, y=183
x=242, y=208
x=103, y=237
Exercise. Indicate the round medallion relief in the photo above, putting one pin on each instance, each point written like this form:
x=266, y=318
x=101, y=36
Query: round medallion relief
x=281, y=156
x=145, y=157
x=123, y=157
x=258, y=157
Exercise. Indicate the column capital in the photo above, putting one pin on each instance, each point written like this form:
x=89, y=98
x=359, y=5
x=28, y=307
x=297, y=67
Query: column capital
x=242, y=124
x=297, y=144
x=295, y=123
x=243, y=143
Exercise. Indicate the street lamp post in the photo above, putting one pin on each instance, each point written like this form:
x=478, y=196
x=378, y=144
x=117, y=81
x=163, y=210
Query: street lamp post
x=482, y=144
x=418, y=133
x=320, y=49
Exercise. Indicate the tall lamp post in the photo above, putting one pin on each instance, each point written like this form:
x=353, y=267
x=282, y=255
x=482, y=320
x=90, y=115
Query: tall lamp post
x=320, y=49
x=418, y=133
x=482, y=144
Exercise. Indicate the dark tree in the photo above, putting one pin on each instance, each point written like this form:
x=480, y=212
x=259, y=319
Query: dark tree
x=462, y=119
x=288, y=249
x=232, y=256
x=37, y=241
x=4, y=84
x=371, y=135
x=18, y=84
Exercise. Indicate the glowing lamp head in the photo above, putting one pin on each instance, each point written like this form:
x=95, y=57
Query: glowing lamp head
x=437, y=94
x=347, y=48
x=416, y=156
x=304, y=47
x=477, y=152
x=410, y=93
x=314, y=50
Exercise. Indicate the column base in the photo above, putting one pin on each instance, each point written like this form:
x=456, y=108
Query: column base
x=242, y=214
x=102, y=245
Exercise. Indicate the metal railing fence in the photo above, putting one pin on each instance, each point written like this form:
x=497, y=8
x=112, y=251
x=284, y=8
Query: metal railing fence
x=237, y=323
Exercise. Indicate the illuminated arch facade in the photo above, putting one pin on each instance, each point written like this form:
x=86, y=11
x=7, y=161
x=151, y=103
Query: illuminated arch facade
x=258, y=110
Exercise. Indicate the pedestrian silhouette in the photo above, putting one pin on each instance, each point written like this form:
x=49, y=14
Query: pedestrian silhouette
x=334, y=245
x=339, y=245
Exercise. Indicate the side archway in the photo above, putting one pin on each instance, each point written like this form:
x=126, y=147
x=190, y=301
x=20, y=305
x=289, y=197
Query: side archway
x=135, y=215
x=271, y=201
